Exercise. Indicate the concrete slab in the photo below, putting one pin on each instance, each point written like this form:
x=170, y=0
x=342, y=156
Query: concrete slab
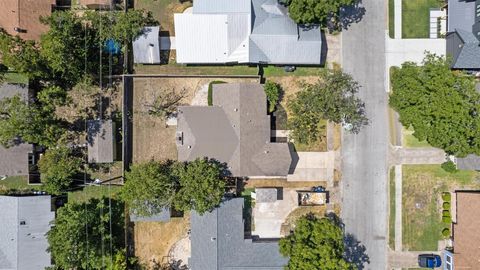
x=314, y=166
x=167, y=43
x=268, y=217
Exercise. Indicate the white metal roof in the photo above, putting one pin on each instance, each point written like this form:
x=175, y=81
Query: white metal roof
x=146, y=47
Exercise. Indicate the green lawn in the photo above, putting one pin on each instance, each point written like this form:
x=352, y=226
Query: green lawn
x=15, y=182
x=319, y=146
x=90, y=192
x=248, y=208
x=391, y=18
x=422, y=203
x=273, y=71
x=409, y=140
x=13, y=77
x=391, y=222
x=416, y=17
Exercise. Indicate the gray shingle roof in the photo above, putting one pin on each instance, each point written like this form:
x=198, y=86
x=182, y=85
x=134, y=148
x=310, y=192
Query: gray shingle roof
x=218, y=242
x=468, y=51
x=146, y=47
x=24, y=247
x=461, y=14
x=236, y=130
x=100, y=140
x=470, y=162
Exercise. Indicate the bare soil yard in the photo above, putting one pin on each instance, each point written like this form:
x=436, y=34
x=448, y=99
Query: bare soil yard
x=153, y=240
x=253, y=183
x=153, y=139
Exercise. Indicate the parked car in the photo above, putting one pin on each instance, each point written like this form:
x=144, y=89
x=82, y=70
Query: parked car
x=429, y=260
x=289, y=68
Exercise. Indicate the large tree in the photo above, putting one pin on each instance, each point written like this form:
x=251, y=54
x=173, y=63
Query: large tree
x=332, y=98
x=57, y=167
x=149, y=187
x=441, y=105
x=315, y=11
x=83, y=234
x=201, y=186
x=316, y=243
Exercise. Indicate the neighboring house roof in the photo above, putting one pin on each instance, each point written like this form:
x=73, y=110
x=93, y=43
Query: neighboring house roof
x=146, y=47
x=25, y=16
x=266, y=195
x=163, y=216
x=464, y=47
x=470, y=162
x=235, y=130
x=218, y=242
x=244, y=31
x=461, y=15
x=100, y=140
x=24, y=247
x=14, y=160
x=466, y=238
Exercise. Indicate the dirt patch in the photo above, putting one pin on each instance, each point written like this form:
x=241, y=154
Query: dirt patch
x=153, y=240
x=301, y=211
x=162, y=11
x=153, y=139
x=254, y=183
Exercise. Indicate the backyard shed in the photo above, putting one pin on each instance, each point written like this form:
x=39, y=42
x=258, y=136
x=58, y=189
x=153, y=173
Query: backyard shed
x=146, y=47
x=101, y=141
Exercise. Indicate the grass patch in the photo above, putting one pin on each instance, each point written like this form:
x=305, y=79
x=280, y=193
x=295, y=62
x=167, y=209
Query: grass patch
x=409, y=140
x=162, y=11
x=391, y=218
x=195, y=70
x=318, y=146
x=423, y=186
x=289, y=224
x=15, y=182
x=92, y=192
x=273, y=71
x=15, y=78
x=248, y=204
x=210, y=91
x=416, y=17
x=391, y=18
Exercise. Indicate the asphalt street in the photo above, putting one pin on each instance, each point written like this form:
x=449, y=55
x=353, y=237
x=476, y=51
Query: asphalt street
x=364, y=168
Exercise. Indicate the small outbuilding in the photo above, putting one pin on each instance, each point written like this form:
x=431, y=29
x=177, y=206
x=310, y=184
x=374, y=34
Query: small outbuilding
x=266, y=195
x=146, y=47
x=101, y=141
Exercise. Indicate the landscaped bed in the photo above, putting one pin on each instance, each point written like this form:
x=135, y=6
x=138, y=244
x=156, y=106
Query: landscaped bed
x=416, y=17
x=422, y=202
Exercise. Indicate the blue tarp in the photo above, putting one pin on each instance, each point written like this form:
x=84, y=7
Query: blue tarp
x=112, y=47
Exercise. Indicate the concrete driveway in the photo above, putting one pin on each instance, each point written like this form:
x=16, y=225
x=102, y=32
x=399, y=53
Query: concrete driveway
x=268, y=217
x=313, y=166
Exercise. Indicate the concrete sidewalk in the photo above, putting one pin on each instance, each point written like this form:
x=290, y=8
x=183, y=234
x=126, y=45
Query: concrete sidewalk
x=401, y=155
x=407, y=259
x=398, y=18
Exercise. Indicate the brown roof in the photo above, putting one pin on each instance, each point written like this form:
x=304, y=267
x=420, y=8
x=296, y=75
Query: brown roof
x=25, y=15
x=466, y=231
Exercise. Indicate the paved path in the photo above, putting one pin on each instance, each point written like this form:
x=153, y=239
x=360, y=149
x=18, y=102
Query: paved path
x=398, y=18
x=406, y=259
x=401, y=155
x=313, y=166
x=364, y=165
x=398, y=208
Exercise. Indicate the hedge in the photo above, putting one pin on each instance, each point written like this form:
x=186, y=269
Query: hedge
x=210, y=92
x=446, y=206
x=446, y=196
x=446, y=213
x=449, y=166
x=447, y=219
x=446, y=232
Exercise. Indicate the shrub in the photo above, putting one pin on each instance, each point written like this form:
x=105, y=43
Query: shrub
x=449, y=166
x=447, y=219
x=446, y=206
x=210, y=93
x=446, y=213
x=446, y=196
x=272, y=90
x=446, y=232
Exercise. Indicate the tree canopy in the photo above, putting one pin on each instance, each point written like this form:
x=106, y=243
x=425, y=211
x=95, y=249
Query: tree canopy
x=57, y=167
x=80, y=237
x=333, y=98
x=273, y=92
x=149, y=187
x=201, y=186
x=316, y=243
x=315, y=11
x=441, y=105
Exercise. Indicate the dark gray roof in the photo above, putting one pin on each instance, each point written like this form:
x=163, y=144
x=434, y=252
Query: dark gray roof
x=218, y=242
x=470, y=162
x=461, y=15
x=464, y=47
x=14, y=160
x=163, y=216
x=100, y=140
x=236, y=130
x=24, y=247
x=266, y=195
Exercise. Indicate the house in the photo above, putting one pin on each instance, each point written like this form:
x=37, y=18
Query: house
x=17, y=159
x=22, y=17
x=24, y=222
x=463, y=37
x=218, y=242
x=97, y=4
x=101, y=141
x=466, y=236
x=146, y=47
x=244, y=31
x=235, y=131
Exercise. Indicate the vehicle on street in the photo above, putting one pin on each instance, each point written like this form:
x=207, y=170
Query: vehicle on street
x=429, y=261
